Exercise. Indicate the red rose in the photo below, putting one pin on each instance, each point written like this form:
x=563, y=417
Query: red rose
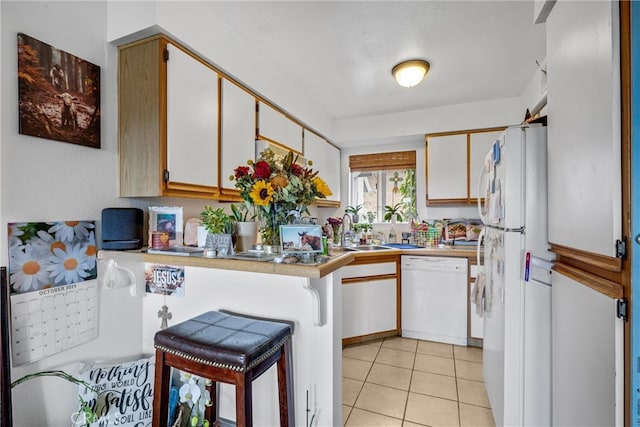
x=297, y=170
x=262, y=170
x=241, y=171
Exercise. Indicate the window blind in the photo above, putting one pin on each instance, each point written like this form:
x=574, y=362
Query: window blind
x=382, y=161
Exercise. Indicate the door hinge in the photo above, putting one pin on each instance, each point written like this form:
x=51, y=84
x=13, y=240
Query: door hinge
x=621, y=248
x=165, y=55
x=166, y=175
x=622, y=308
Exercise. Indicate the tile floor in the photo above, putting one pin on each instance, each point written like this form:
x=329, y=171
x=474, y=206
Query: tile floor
x=406, y=383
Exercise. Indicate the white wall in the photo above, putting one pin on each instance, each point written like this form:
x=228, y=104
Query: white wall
x=46, y=180
x=474, y=115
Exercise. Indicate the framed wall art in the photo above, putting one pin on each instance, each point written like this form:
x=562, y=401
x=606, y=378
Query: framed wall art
x=59, y=94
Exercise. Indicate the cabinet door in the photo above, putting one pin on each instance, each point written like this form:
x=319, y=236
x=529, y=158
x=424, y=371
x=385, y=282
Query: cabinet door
x=140, y=73
x=325, y=159
x=479, y=146
x=238, y=129
x=447, y=168
x=585, y=353
x=584, y=126
x=276, y=127
x=192, y=120
x=368, y=307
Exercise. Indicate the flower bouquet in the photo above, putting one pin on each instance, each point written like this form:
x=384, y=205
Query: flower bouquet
x=279, y=190
x=335, y=224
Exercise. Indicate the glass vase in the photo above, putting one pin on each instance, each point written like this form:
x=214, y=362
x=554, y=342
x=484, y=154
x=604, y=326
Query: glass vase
x=278, y=214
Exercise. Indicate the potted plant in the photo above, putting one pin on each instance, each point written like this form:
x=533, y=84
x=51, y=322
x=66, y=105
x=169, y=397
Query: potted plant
x=353, y=211
x=393, y=213
x=217, y=223
x=371, y=216
x=246, y=228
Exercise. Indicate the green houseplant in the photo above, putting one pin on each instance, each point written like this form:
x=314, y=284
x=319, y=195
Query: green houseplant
x=393, y=213
x=217, y=223
x=353, y=211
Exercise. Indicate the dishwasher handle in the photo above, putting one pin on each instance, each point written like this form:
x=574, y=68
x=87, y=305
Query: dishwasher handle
x=425, y=263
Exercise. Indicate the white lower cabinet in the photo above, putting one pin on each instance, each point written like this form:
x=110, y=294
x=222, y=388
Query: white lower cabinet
x=369, y=299
x=368, y=307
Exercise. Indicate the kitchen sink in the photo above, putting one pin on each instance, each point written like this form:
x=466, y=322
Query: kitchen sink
x=367, y=248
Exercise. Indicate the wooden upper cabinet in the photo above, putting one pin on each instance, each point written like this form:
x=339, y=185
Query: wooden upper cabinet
x=454, y=162
x=326, y=158
x=275, y=127
x=184, y=125
x=238, y=133
x=167, y=121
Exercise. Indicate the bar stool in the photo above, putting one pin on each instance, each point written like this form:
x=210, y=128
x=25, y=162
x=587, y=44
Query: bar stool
x=228, y=348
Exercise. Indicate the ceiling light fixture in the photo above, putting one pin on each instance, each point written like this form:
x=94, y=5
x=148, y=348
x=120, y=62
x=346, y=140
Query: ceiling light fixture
x=410, y=73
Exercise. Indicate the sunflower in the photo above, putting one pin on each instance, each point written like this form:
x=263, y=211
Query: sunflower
x=261, y=193
x=322, y=187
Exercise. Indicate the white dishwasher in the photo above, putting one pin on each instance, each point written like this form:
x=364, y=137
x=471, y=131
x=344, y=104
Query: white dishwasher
x=434, y=298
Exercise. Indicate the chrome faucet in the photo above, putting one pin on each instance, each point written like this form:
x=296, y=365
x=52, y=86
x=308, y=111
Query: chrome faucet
x=343, y=239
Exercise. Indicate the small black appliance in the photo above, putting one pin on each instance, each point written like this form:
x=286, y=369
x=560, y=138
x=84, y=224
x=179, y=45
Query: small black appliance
x=122, y=228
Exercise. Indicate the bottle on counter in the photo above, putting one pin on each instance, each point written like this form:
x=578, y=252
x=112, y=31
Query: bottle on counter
x=392, y=235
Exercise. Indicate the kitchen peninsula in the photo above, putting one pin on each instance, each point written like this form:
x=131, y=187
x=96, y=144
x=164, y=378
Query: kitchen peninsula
x=310, y=295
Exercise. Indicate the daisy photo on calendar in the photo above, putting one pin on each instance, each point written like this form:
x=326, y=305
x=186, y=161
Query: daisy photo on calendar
x=49, y=254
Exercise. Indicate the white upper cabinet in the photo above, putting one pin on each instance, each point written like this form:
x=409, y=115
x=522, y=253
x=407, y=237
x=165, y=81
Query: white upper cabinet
x=584, y=142
x=447, y=168
x=454, y=163
x=192, y=120
x=479, y=146
x=238, y=129
x=278, y=128
x=326, y=158
x=167, y=121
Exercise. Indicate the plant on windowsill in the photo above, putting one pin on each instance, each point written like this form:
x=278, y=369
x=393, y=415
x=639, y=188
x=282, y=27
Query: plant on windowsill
x=353, y=211
x=393, y=213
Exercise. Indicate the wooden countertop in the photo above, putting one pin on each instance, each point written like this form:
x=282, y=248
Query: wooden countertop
x=340, y=258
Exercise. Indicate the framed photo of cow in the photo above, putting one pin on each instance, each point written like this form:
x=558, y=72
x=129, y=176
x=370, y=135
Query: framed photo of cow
x=59, y=94
x=301, y=239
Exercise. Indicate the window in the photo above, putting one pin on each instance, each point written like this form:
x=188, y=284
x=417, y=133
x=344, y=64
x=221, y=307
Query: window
x=384, y=181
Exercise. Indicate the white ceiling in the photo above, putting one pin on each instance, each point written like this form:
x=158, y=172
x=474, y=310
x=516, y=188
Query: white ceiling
x=341, y=53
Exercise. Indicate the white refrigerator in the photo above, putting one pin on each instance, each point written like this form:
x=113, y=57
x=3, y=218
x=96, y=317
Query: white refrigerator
x=517, y=293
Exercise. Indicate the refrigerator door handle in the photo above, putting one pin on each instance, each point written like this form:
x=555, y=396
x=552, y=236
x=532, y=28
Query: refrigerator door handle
x=480, y=237
x=483, y=174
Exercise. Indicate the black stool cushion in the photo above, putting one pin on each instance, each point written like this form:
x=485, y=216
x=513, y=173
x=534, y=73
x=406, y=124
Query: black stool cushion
x=223, y=340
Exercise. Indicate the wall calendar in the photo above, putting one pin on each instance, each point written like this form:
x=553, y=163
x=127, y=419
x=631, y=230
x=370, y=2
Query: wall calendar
x=52, y=320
